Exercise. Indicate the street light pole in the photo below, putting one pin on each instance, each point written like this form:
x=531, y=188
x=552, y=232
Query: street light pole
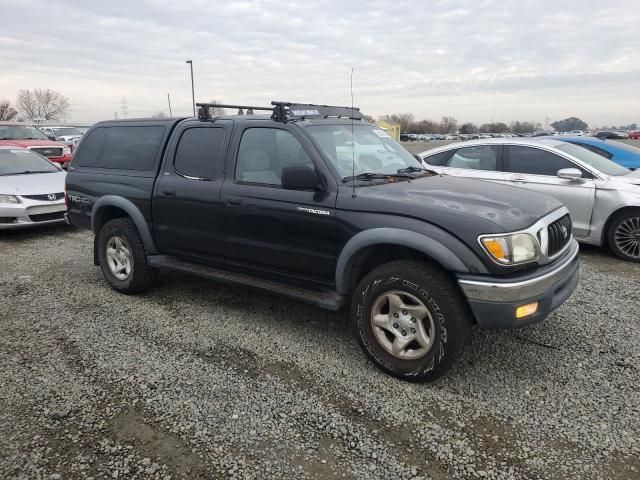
x=193, y=92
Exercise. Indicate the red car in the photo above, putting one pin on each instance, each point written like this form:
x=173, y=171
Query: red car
x=26, y=136
x=634, y=135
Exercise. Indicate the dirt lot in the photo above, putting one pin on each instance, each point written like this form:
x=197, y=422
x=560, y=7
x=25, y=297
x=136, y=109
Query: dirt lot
x=199, y=380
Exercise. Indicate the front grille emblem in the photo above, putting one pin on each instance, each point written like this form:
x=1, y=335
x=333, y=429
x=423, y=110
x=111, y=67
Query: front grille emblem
x=52, y=196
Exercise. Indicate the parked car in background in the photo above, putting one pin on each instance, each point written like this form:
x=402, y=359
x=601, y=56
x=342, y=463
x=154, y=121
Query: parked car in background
x=634, y=135
x=577, y=133
x=69, y=135
x=626, y=155
x=31, y=189
x=602, y=196
x=610, y=135
x=21, y=135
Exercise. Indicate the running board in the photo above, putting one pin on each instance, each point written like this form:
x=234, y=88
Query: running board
x=326, y=299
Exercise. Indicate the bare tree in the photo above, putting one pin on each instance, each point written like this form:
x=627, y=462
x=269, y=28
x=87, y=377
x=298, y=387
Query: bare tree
x=424, y=126
x=7, y=112
x=448, y=125
x=369, y=118
x=159, y=114
x=217, y=110
x=47, y=104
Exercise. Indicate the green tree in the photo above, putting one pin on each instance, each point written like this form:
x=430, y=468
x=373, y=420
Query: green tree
x=568, y=124
x=468, y=128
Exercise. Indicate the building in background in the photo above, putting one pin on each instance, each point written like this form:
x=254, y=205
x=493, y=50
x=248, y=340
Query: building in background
x=392, y=129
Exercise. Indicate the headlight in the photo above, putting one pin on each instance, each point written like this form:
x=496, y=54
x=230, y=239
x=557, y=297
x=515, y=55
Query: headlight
x=66, y=151
x=9, y=199
x=511, y=249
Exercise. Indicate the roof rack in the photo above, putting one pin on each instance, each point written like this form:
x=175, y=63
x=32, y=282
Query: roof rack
x=284, y=111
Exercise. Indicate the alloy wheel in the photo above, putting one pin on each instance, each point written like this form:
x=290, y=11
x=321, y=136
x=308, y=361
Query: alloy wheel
x=119, y=258
x=627, y=237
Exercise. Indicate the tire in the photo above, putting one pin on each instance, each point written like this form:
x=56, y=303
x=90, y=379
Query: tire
x=430, y=304
x=623, y=236
x=122, y=235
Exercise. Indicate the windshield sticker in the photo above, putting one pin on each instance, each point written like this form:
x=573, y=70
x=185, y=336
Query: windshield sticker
x=381, y=133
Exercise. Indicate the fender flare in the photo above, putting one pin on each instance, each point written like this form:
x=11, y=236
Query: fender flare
x=396, y=236
x=134, y=213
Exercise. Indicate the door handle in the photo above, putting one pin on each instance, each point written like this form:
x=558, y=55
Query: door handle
x=233, y=202
x=169, y=192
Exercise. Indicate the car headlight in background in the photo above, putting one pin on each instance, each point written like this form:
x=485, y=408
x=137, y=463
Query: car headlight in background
x=9, y=199
x=511, y=249
x=66, y=151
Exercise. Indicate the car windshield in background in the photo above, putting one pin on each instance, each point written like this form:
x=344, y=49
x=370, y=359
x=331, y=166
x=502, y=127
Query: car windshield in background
x=371, y=149
x=22, y=162
x=10, y=132
x=66, y=131
x=593, y=159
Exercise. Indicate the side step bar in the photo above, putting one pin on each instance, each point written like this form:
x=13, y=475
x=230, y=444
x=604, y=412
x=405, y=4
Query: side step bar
x=328, y=299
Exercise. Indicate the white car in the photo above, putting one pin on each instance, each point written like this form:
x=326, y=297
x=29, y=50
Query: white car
x=31, y=190
x=602, y=196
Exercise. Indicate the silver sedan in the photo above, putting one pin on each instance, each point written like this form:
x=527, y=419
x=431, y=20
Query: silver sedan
x=602, y=196
x=31, y=190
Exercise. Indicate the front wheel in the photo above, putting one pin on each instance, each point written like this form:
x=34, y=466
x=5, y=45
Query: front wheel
x=624, y=236
x=411, y=320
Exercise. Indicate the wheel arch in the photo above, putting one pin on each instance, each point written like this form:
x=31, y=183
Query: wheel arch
x=371, y=248
x=112, y=206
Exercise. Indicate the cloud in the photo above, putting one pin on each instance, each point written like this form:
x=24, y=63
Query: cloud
x=475, y=59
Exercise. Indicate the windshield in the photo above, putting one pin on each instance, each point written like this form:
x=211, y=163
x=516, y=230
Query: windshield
x=19, y=132
x=371, y=149
x=66, y=131
x=594, y=160
x=16, y=161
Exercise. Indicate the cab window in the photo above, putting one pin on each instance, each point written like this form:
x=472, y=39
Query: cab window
x=534, y=161
x=480, y=157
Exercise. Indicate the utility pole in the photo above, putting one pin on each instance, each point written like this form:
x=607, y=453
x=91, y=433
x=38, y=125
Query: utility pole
x=169, y=100
x=124, y=107
x=193, y=92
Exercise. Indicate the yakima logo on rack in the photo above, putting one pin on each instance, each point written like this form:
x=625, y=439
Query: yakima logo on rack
x=304, y=113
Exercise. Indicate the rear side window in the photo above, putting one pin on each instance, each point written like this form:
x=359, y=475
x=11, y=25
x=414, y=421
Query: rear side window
x=439, y=159
x=594, y=149
x=131, y=148
x=199, y=152
x=125, y=147
x=89, y=148
x=480, y=157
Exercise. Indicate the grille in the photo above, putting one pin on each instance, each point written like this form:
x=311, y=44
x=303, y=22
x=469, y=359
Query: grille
x=45, y=197
x=48, y=152
x=7, y=219
x=43, y=217
x=559, y=235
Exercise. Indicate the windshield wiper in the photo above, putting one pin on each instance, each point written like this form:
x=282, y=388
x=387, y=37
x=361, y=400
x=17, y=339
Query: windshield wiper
x=374, y=176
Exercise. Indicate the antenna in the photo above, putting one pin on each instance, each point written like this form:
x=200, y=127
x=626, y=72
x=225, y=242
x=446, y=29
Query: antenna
x=353, y=151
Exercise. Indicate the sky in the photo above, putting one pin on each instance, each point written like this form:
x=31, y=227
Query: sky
x=477, y=60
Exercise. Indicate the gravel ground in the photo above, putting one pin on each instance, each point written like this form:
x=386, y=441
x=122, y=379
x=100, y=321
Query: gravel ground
x=199, y=380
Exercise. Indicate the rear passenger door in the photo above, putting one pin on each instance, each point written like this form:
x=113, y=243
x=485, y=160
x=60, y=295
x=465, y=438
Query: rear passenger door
x=476, y=161
x=187, y=194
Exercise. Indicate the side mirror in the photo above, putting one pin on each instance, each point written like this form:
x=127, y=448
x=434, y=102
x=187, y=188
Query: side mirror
x=301, y=178
x=418, y=157
x=570, y=174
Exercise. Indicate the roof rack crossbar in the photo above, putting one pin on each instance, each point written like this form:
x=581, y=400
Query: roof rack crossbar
x=203, y=111
x=285, y=111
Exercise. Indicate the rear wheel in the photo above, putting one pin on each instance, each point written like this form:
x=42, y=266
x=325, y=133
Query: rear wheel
x=122, y=257
x=624, y=235
x=411, y=320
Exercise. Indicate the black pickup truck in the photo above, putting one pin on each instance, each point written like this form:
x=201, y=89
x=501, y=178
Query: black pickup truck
x=314, y=203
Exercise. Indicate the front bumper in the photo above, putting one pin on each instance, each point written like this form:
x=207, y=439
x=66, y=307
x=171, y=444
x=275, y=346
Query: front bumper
x=494, y=300
x=31, y=213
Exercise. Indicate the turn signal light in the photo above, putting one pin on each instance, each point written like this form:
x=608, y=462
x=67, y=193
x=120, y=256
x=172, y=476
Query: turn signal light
x=526, y=310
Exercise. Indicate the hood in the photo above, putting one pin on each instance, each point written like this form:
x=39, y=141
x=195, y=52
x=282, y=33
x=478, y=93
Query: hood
x=626, y=182
x=463, y=206
x=32, y=143
x=33, y=184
